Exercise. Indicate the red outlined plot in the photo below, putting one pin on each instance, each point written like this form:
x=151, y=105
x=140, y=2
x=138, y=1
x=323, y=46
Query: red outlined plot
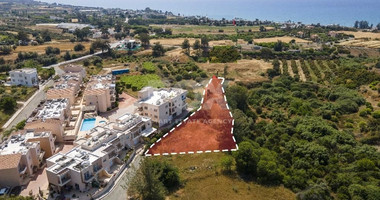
x=209, y=129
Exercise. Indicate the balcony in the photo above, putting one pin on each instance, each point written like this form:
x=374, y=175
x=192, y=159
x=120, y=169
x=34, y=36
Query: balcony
x=64, y=180
x=22, y=169
x=97, y=168
x=112, y=155
x=88, y=177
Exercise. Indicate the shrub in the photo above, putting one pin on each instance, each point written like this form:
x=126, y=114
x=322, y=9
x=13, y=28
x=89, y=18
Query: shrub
x=376, y=114
x=79, y=47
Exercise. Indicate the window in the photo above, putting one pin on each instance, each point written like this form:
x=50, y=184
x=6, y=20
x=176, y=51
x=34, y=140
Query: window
x=155, y=110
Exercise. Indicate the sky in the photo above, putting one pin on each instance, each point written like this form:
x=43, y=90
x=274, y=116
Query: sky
x=343, y=12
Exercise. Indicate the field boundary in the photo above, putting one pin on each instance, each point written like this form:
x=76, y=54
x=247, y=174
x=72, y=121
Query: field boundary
x=187, y=118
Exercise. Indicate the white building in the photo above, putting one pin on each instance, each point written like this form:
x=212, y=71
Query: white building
x=25, y=76
x=161, y=105
x=99, y=155
x=52, y=115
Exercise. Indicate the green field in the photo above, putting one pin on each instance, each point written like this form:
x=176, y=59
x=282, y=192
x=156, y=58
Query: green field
x=202, y=179
x=137, y=82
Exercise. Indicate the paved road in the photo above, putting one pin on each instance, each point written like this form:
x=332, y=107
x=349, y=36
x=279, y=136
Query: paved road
x=33, y=101
x=118, y=191
x=28, y=107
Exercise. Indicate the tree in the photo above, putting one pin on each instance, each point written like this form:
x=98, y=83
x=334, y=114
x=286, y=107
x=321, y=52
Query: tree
x=262, y=29
x=204, y=45
x=101, y=44
x=22, y=36
x=268, y=171
x=186, y=46
x=8, y=103
x=67, y=56
x=316, y=192
x=5, y=50
x=154, y=179
x=224, y=54
x=51, y=50
x=246, y=158
x=81, y=34
x=45, y=34
x=197, y=45
x=146, y=183
x=158, y=50
x=79, y=47
x=144, y=37
x=278, y=46
x=227, y=162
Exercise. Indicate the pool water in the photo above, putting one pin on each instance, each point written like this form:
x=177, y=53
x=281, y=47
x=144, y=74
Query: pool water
x=88, y=124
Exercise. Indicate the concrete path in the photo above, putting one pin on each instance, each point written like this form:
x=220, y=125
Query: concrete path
x=119, y=191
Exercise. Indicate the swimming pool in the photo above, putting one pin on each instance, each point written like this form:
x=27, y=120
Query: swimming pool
x=88, y=124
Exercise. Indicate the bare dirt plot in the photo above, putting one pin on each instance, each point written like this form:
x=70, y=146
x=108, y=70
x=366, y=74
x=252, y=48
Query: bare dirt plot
x=286, y=39
x=208, y=129
x=360, y=34
x=242, y=70
x=126, y=100
x=196, y=29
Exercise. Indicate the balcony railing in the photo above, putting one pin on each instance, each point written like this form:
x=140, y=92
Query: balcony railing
x=97, y=168
x=64, y=180
x=112, y=155
x=88, y=178
x=22, y=169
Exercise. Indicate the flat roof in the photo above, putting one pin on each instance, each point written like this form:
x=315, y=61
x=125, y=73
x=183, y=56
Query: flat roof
x=161, y=96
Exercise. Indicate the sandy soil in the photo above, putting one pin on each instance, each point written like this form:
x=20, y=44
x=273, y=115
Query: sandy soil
x=242, y=70
x=126, y=100
x=207, y=129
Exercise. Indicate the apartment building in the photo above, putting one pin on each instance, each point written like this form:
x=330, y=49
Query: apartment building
x=100, y=92
x=161, y=105
x=98, y=156
x=26, y=76
x=22, y=154
x=52, y=115
x=68, y=86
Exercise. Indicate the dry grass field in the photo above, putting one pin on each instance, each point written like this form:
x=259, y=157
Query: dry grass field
x=203, y=179
x=194, y=29
x=40, y=49
x=362, y=43
x=286, y=39
x=178, y=42
x=360, y=34
x=242, y=70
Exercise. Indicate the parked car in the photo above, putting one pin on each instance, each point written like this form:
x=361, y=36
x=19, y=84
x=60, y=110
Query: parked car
x=5, y=191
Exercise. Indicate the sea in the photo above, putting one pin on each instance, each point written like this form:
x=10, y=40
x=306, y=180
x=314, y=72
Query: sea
x=326, y=12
